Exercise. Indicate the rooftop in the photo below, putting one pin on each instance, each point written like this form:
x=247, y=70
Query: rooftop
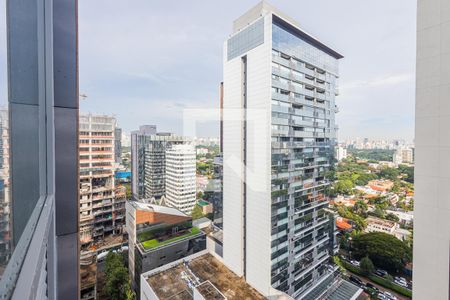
x=210, y=277
x=142, y=206
x=263, y=8
x=203, y=203
x=381, y=222
x=155, y=243
x=343, y=224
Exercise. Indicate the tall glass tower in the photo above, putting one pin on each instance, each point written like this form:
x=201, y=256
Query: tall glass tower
x=279, y=135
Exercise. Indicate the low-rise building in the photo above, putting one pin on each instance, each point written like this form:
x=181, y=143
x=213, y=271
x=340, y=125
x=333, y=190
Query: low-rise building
x=157, y=236
x=388, y=164
x=202, y=151
x=343, y=224
x=405, y=217
x=387, y=226
x=343, y=201
x=381, y=185
x=402, y=234
x=207, y=208
x=380, y=225
x=200, y=276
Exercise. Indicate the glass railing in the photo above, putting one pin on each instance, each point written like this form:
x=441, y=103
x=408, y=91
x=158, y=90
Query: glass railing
x=30, y=252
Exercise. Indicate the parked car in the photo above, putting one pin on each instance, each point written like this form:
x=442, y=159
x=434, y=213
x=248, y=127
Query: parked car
x=371, y=286
x=399, y=278
x=356, y=280
x=355, y=263
x=381, y=296
x=389, y=296
x=102, y=256
x=401, y=283
x=381, y=272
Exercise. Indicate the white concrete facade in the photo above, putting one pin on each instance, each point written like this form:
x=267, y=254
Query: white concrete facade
x=180, y=177
x=341, y=153
x=258, y=165
x=432, y=152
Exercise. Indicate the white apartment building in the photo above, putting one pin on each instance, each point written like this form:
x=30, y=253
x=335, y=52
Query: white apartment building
x=180, y=180
x=403, y=155
x=341, y=153
x=431, y=272
x=279, y=135
x=380, y=225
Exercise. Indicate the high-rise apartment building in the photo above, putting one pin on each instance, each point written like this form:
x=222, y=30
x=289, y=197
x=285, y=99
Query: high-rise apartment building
x=403, y=155
x=213, y=192
x=102, y=204
x=341, y=153
x=180, y=180
x=148, y=152
x=279, y=135
x=118, y=145
x=431, y=271
x=138, y=141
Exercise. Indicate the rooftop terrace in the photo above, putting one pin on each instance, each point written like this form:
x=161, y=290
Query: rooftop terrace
x=210, y=277
x=155, y=243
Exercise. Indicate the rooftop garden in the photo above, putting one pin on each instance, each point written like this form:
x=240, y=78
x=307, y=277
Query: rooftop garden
x=158, y=242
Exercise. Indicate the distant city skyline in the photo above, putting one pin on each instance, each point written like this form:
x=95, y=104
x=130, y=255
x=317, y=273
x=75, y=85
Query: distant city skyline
x=146, y=66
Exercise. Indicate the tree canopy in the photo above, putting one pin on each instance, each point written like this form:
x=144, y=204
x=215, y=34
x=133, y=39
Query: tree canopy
x=366, y=265
x=359, y=221
x=373, y=154
x=197, y=212
x=117, y=285
x=384, y=250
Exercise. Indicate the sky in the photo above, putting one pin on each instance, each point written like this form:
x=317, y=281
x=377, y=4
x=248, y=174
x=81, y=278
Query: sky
x=146, y=61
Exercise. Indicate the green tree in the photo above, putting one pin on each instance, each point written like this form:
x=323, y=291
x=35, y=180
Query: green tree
x=117, y=286
x=373, y=155
x=360, y=208
x=388, y=277
x=367, y=266
x=378, y=211
x=200, y=195
x=197, y=212
x=128, y=190
x=359, y=221
x=408, y=173
x=392, y=217
x=344, y=186
x=390, y=173
x=384, y=250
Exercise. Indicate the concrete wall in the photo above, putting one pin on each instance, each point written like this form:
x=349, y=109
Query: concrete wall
x=432, y=176
x=258, y=195
x=259, y=114
x=233, y=235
